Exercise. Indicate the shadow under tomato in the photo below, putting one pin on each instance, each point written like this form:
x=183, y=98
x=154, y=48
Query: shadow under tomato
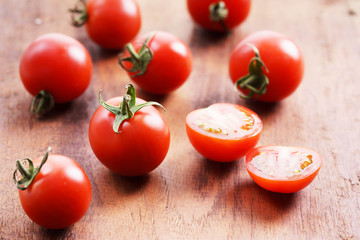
x=209, y=172
x=202, y=38
x=160, y=98
x=129, y=185
x=65, y=233
x=259, y=203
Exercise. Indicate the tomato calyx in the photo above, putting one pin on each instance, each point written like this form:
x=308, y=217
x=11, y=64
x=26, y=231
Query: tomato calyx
x=42, y=103
x=139, y=60
x=218, y=13
x=127, y=108
x=256, y=81
x=79, y=15
x=25, y=172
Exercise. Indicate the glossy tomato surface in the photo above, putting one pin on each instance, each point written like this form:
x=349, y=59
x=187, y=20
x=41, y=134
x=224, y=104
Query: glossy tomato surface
x=170, y=65
x=139, y=148
x=57, y=63
x=223, y=132
x=238, y=10
x=281, y=56
x=283, y=169
x=60, y=194
x=112, y=23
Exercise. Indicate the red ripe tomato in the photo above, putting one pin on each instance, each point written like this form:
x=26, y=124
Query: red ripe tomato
x=109, y=23
x=58, y=64
x=139, y=146
x=276, y=70
x=59, y=195
x=158, y=62
x=223, y=132
x=216, y=15
x=282, y=169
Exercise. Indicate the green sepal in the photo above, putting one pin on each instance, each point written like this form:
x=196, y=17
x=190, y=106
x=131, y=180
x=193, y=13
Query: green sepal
x=79, y=15
x=139, y=60
x=27, y=173
x=42, y=103
x=255, y=81
x=218, y=13
x=127, y=108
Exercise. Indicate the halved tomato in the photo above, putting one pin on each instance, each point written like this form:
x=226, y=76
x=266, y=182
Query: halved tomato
x=283, y=169
x=223, y=132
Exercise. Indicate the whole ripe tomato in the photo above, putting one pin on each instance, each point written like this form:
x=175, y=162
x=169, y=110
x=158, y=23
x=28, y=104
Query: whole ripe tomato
x=109, y=23
x=283, y=169
x=130, y=143
x=267, y=66
x=56, y=193
x=216, y=15
x=55, y=67
x=158, y=62
x=223, y=132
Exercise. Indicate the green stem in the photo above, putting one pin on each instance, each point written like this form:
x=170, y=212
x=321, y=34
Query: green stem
x=219, y=13
x=255, y=81
x=139, y=60
x=25, y=172
x=127, y=108
x=42, y=103
x=79, y=15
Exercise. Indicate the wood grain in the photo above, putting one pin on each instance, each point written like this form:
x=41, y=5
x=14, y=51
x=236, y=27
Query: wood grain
x=189, y=197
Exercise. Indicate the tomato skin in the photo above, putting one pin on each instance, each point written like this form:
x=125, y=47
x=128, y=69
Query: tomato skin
x=220, y=148
x=57, y=63
x=238, y=10
x=169, y=67
x=60, y=194
x=281, y=56
x=283, y=184
x=139, y=148
x=112, y=23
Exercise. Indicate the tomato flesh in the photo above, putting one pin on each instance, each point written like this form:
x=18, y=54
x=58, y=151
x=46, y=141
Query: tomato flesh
x=223, y=132
x=283, y=169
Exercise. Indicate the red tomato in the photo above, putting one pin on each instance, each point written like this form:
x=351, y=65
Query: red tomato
x=223, y=132
x=60, y=194
x=58, y=64
x=283, y=60
x=283, y=169
x=164, y=62
x=218, y=15
x=141, y=144
x=110, y=23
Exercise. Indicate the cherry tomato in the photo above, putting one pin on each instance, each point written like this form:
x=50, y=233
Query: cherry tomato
x=275, y=63
x=158, y=62
x=57, y=64
x=109, y=23
x=135, y=146
x=60, y=193
x=216, y=15
x=282, y=169
x=223, y=132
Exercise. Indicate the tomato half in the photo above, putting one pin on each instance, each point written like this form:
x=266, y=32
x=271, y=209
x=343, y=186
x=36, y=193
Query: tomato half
x=60, y=194
x=141, y=144
x=283, y=65
x=58, y=64
x=109, y=23
x=216, y=15
x=283, y=169
x=158, y=62
x=223, y=132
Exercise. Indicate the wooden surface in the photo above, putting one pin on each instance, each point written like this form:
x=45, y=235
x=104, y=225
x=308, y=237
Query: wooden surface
x=189, y=197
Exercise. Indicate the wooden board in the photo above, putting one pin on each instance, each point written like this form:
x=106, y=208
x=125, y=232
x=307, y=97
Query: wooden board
x=189, y=197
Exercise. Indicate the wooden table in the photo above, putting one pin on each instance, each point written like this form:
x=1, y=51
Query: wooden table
x=189, y=197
